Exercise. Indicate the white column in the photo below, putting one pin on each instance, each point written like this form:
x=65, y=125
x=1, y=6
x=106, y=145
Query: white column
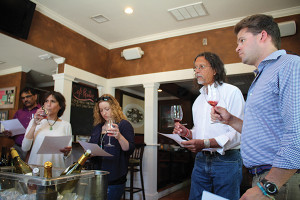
x=100, y=90
x=63, y=84
x=150, y=138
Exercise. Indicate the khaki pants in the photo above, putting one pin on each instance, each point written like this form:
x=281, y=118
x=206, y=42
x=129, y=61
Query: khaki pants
x=289, y=191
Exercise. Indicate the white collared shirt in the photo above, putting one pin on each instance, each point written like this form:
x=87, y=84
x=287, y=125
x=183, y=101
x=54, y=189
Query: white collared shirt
x=232, y=99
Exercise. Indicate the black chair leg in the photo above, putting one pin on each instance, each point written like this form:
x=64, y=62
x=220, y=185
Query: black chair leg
x=142, y=181
x=131, y=182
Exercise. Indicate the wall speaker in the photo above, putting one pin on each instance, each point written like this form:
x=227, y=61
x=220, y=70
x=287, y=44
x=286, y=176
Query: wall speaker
x=287, y=28
x=132, y=53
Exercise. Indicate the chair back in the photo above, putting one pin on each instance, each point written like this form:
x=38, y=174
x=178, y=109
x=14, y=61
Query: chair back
x=138, y=152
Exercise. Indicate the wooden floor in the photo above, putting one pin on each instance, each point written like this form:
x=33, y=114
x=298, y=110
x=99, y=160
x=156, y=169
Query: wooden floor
x=182, y=194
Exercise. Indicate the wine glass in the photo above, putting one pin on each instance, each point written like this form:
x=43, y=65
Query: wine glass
x=176, y=113
x=45, y=113
x=212, y=95
x=109, y=132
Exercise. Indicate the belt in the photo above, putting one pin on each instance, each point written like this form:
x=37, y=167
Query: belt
x=210, y=153
x=215, y=153
x=257, y=170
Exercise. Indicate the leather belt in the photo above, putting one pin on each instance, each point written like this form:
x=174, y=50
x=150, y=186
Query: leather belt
x=210, y=153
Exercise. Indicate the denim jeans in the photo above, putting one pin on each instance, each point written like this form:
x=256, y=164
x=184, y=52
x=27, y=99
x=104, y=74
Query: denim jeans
x=115, y=192
x=219, y=174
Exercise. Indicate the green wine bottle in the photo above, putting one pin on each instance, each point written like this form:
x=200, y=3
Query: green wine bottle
x=48, y=192
x=75, y=168
x=21, y=166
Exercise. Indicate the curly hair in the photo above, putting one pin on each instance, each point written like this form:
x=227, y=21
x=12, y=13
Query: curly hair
x=259, y=22
x=115, y=107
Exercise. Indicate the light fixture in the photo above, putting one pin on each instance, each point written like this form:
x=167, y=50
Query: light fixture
x=59, y=60
x=128, y=10
x=159, y=90
x=45, y=56
x=132, y=53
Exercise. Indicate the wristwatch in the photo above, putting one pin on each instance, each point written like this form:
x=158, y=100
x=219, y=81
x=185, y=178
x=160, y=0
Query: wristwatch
x=270, y=187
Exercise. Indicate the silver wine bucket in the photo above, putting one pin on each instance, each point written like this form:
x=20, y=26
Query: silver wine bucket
x=97, y=186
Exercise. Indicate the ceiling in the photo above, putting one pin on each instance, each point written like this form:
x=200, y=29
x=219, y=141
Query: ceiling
x=149, y=21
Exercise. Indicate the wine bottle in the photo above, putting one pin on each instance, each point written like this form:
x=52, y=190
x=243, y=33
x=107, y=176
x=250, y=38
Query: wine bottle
x=21, y=166
x=48, y=192
x=3, y=160
x=75, y=168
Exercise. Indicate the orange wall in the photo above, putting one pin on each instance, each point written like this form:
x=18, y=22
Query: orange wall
x=179, y=52
x=14, y=80
x=162, y=55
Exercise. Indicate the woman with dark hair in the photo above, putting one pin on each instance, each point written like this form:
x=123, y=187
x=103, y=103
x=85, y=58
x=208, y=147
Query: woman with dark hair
x=46, y=122
x=107, y=107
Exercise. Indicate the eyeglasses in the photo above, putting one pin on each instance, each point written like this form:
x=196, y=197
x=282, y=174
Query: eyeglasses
x=105, y=98
x=199, y=67
x=26, y=97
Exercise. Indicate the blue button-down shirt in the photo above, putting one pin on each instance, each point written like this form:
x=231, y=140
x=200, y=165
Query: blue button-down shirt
x=271, y=129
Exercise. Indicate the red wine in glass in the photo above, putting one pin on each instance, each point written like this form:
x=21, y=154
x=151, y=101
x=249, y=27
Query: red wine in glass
x=177, y=120
x=213, y=103
x=176, y=113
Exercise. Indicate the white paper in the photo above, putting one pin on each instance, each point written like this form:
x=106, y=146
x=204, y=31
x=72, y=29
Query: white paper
x=210, y=196
x=95, y=149
x=174, y=137
x=53, y=144
x=13, y=125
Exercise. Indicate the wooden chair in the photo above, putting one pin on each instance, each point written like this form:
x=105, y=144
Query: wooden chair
x=136, y=165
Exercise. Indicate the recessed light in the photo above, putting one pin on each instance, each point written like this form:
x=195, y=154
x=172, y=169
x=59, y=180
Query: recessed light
x=159, y=90
x=128, y=10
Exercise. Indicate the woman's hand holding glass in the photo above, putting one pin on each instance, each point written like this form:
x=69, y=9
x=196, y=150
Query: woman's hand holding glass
x=40, y=114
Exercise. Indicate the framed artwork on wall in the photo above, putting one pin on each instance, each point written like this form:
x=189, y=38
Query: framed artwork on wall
x=133, y=108
x=7, y=97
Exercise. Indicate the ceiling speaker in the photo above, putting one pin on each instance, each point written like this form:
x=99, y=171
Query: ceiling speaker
x=287, y=28
x=132, y=53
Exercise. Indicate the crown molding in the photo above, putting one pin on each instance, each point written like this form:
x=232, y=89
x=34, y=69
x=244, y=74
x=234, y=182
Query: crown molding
x=148, y=38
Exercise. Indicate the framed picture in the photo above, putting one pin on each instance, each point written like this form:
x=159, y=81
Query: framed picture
x=3, y=116
x=7, y=97
x=133, y=108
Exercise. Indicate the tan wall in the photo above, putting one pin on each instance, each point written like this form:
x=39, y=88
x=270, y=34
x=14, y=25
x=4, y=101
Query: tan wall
x=179, y=52
x=161, y=55
x=14, y=80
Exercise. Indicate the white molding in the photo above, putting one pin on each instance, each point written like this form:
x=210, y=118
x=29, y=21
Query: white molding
x=70, y=24
x=14, y=70
x=148, y=38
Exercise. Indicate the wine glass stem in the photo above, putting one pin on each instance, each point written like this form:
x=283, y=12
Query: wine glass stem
x=109, y=140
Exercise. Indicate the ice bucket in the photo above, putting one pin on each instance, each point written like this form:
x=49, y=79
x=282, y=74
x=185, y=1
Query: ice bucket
x=97, y=186
x=90, y=184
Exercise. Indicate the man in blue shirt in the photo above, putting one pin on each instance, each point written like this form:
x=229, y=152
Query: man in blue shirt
x=270, y=144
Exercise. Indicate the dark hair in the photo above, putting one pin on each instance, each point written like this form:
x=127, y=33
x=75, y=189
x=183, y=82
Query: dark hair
x=259, y=22
x=216, y=64
x=27, y=90
x=61, y=101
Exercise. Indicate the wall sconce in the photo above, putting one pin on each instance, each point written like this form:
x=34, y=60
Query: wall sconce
x=132, y=53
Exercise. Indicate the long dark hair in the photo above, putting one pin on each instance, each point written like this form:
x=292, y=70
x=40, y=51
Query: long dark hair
x=216, y=64
x=59, y=98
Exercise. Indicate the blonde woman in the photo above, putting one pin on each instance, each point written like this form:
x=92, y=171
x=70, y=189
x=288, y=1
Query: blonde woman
x=122, y=143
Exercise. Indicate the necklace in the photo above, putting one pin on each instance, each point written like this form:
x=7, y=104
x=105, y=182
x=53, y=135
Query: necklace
x=52, y=124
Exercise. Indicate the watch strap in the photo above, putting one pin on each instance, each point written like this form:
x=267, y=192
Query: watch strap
x=265, y=183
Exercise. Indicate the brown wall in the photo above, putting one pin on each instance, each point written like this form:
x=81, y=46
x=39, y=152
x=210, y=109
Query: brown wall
x=162, y=55
x=17, y=80
x=79, y=51
x=179, y=52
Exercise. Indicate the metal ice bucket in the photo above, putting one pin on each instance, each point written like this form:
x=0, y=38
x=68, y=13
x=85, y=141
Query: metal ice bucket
x=97, y=186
